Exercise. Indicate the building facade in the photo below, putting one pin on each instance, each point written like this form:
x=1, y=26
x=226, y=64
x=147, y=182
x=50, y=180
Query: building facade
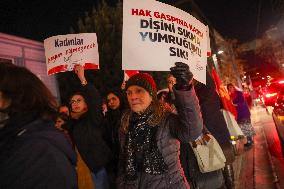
x=30, y=54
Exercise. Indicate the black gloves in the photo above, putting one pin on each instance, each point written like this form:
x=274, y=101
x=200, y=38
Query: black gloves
x=183, y=76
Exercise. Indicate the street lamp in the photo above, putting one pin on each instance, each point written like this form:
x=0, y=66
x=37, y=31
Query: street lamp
x=215, y=62
x=220, y=52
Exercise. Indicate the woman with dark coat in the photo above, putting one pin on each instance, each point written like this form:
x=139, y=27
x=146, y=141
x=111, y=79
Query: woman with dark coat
x=116, y=106
x=86, y=129
x=150, y=156
x=33, y=153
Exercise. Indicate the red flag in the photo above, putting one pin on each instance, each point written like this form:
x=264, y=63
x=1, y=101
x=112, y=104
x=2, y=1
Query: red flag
x=224, y=95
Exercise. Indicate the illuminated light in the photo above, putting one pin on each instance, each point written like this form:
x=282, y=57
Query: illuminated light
x=270, y=95
x=220, y=52
x=214, y=57
x=262, y=78
x=257, y=73
x=281, y=118
x=245, y=77
x=281, y=82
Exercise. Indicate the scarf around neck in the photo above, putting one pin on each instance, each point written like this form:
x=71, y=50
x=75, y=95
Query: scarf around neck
x=142, y=153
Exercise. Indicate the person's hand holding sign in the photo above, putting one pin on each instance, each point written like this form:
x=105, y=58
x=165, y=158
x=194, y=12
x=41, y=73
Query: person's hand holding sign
x=183, y=76
x=79, y=70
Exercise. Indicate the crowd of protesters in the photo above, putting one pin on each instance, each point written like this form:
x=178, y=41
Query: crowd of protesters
x=136, y=138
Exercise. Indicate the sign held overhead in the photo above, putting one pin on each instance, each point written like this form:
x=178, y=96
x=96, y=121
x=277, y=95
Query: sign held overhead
x=62, y=52
x=156, y=35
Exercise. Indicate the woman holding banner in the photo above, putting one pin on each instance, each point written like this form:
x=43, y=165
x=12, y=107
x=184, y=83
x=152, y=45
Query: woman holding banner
x=86, y=130
x=150, y=139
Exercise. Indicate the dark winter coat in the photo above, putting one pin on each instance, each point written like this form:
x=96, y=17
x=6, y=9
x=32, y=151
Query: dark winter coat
x=112, y=125
x=185, y=127
x=213, y=118
x=87, y=132
x=33, y=154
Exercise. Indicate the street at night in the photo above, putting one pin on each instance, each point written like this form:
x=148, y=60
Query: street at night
x=261, y=167
x=135, y=94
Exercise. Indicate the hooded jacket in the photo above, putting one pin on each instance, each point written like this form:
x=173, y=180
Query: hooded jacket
x=33, y=154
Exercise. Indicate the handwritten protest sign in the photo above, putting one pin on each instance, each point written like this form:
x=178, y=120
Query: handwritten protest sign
x=155, y=35
x=62, y=52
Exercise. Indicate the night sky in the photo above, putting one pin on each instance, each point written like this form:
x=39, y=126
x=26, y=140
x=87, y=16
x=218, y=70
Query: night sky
x=238, y=18
x=39, y=19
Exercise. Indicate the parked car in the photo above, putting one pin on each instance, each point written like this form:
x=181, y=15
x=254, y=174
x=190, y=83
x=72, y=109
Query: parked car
x=271, y=91
x=278, y=114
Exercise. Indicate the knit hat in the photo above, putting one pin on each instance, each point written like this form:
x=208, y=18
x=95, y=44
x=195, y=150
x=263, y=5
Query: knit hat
x=143, y=80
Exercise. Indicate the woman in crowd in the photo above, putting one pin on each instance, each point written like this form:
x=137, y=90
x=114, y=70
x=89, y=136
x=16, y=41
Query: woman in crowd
x=116, y=107
x=63, y=109
x=104, y=107
x=61, y=119
x=150, y=156
x=86, y=130
x=163, y=97
x=60, y=124
x=247, y=97
x=33, y=154
x=243, y=116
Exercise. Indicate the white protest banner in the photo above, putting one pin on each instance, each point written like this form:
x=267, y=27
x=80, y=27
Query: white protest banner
x=155, y=35
x=62, y=52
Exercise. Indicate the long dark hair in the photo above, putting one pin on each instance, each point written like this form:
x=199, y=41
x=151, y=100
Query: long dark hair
x=122, y=99
x=26, y=92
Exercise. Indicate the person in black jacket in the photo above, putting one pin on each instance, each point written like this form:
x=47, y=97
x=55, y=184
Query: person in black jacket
x=116, y=106
x=215, y=123
x=33, y=153
x=86, y=129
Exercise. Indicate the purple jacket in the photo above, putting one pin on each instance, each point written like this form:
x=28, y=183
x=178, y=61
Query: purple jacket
x=241, y=106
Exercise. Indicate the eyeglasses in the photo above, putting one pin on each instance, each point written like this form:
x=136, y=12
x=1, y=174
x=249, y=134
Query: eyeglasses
x=76, y=101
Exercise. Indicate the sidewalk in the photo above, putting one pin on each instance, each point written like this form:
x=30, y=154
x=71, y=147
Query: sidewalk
x=253, y=168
